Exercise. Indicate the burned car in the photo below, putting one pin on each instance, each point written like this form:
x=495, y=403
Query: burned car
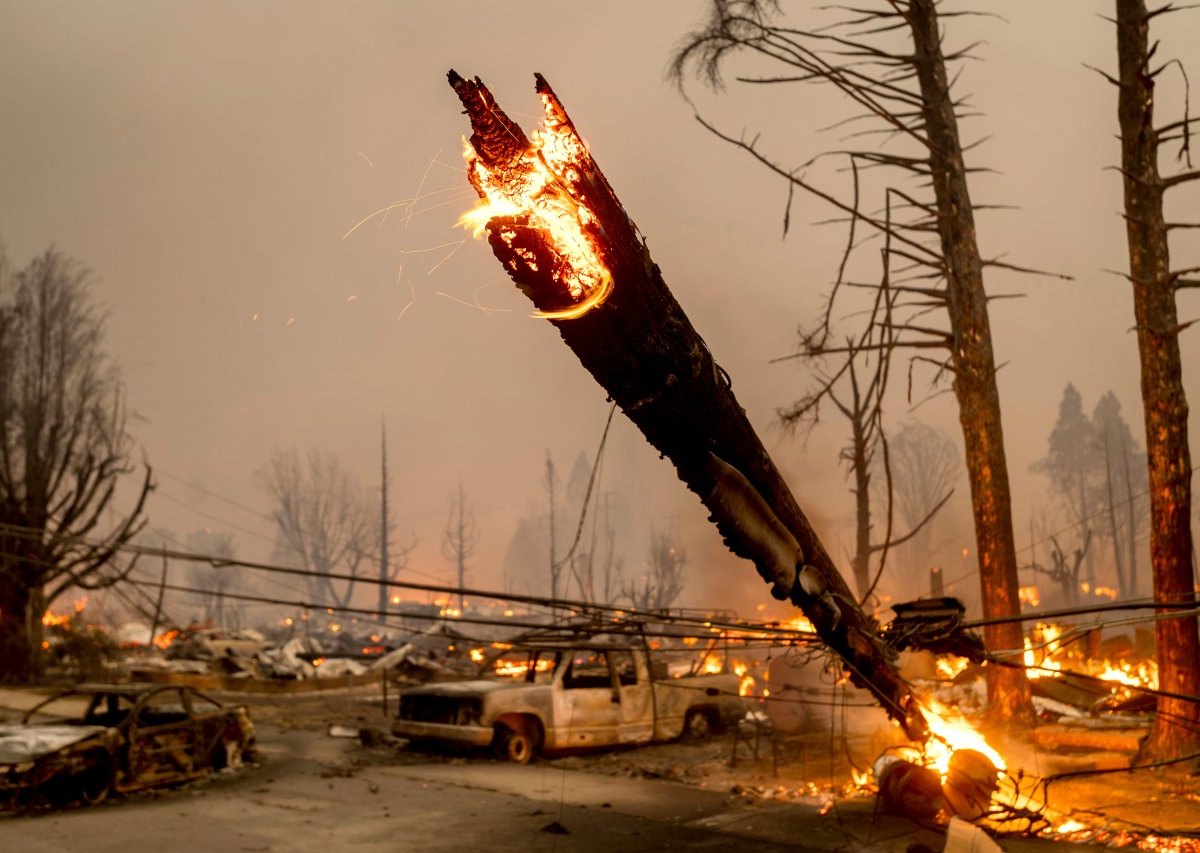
x=118, y=738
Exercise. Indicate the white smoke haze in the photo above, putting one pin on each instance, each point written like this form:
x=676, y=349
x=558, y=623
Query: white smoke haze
x=207, y=159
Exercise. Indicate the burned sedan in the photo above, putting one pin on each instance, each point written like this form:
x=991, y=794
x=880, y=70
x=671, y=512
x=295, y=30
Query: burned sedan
x=102, y=739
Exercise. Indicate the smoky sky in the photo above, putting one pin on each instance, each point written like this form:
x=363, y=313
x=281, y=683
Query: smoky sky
x=206, y=160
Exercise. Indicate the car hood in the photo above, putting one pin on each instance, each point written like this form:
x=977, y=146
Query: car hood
x=25, y=743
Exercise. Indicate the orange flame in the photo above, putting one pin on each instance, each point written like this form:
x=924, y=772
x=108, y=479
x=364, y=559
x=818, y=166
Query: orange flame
x=951, y=732
x=746, y=684
x=542, y=187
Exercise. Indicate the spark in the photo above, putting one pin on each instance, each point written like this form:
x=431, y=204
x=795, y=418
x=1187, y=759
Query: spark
x=368, y=159
x=449, y=255
x=254, y=317
x=432, y=248
x=421, y=186
x=289, y=322
x=475, y=304
x=412, y=297
x=352, y=298
x=459, y=194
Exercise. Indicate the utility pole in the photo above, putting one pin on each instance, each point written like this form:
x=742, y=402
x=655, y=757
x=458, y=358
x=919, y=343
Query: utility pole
x=555, y=569
x=162, y=588
x=383, y=525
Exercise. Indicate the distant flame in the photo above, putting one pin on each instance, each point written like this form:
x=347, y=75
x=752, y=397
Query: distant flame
x=166, y=638
x=1029, y=595
x=514, y=668
x=1040, y=659
x=50, y=619
x=542, y=186
x=477, y=655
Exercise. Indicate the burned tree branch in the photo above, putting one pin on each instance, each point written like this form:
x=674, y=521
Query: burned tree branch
x=560, y=231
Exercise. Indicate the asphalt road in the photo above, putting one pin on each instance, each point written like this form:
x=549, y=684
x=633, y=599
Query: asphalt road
x=317, y=793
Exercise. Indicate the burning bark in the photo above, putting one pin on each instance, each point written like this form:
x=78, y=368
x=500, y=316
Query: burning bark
x=560, y=231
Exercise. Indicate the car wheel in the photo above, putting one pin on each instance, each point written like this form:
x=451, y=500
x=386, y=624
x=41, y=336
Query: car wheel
x=228, y=754
x=514, y=746
x=94, y=782
x=699, y=723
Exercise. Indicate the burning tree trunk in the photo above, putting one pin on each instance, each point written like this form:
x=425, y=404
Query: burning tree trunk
x=974, y=364
x=1177, y=725
x=560, y=231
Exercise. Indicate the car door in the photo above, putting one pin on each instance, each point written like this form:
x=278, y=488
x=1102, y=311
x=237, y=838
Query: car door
x=586, y=701
x=163, y=740
x=636, y=708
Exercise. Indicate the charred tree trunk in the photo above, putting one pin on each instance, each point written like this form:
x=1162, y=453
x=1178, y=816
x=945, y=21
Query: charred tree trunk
x=17, y=641
x=1177, y=725
x=641, y=348
x=974, y=366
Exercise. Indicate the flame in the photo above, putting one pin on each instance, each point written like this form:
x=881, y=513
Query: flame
x=801, y=624
x=1105, y=592
x=949, y=667
x=50, y=619
x=542, y=187
x=514, y=668
x=1144, y=674
x=746, y=684
x=712, y=666
x=1029, y=595
x=452, y=612
x=166, y=638
x=1049, y=643
x=477, y=655
x=951, y=731
x=1069, y=826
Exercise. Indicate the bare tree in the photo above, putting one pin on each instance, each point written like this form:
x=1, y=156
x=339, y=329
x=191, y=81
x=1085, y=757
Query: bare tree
x=63, y=452
x=1177, y=724
x=1063, y=572
x=664, y=580
x=461, y=537
x=210, y=577
x=324, y=517
x=906, y=90
x=925, y=466
x=393, y=559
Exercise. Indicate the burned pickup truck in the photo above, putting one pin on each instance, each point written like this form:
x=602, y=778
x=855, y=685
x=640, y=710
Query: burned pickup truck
x=554, y=697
